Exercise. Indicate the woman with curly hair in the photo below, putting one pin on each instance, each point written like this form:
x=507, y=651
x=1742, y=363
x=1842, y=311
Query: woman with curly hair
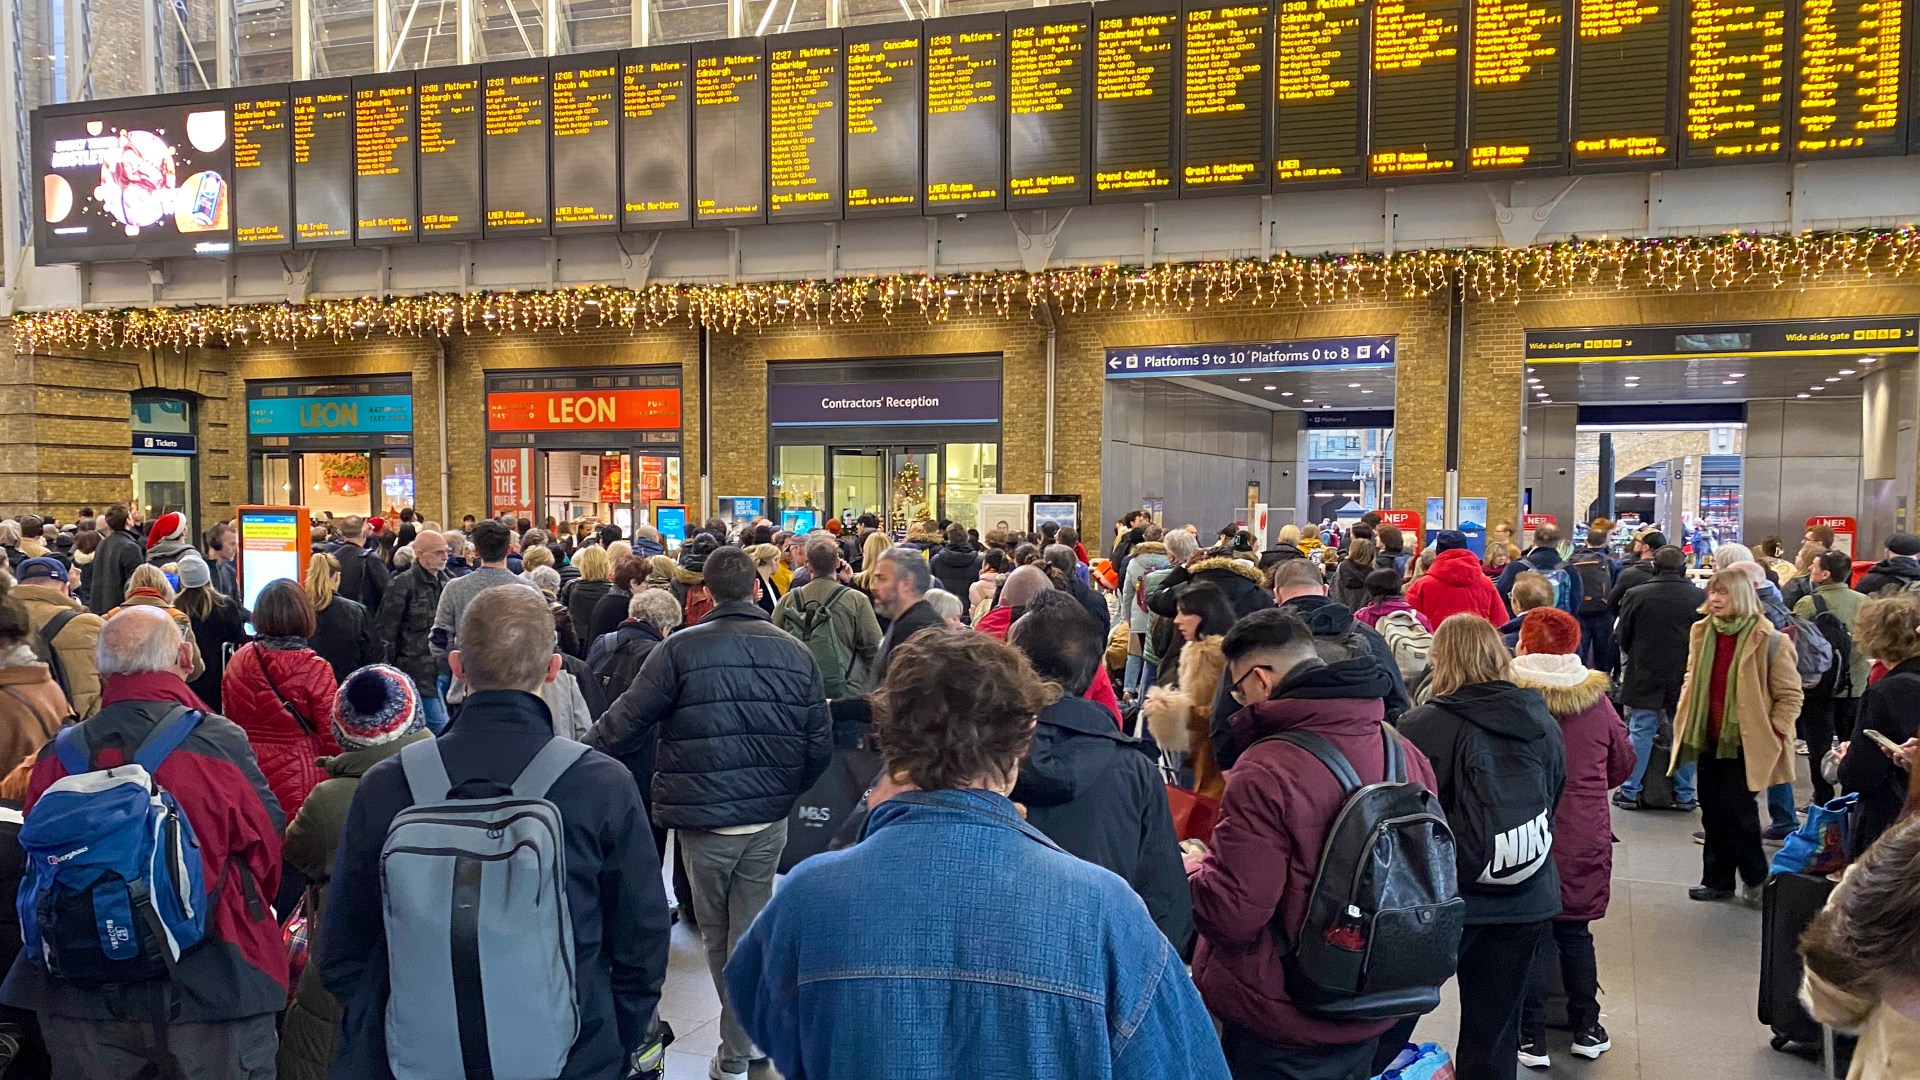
x=1885, y=629
x=988, y=923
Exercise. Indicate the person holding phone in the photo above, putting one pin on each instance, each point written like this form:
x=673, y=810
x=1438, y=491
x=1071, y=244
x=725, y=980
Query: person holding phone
x=1878, y=761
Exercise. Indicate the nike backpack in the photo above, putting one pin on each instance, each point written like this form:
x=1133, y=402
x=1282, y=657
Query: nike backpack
x=1504, y=819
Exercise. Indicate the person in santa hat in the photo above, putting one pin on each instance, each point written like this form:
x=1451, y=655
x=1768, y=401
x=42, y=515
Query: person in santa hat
x=167, y=539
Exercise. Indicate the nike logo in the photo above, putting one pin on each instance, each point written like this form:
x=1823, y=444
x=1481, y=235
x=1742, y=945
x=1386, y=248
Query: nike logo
x=1519, y=853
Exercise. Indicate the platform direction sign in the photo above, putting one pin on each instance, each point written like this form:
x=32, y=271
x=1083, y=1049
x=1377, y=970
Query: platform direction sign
x=1160, y=361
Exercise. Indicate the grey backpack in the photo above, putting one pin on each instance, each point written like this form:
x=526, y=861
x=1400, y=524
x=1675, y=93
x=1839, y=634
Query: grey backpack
x=479, y=938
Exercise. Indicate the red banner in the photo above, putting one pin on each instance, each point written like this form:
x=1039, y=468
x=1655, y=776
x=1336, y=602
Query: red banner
x=584, y=410
x=1408, y=522
x=1846, y=531
x=1530, y=522
x=510, y=480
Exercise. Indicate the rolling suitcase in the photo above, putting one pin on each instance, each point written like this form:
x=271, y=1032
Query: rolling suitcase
x=1788, y=903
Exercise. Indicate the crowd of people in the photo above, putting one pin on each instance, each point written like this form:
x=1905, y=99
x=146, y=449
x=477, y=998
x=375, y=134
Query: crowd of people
x=1105, y=802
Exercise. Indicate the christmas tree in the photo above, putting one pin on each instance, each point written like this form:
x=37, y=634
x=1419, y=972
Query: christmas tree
x=910, y=495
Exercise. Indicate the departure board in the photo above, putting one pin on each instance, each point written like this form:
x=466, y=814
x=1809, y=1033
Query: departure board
x=1320, y=99
x=1624, y=58
x=586, y=143
x=385, y=130
x=1846, y=94
x=1136, y=56
x=517, y=114
x=884, y=73
x=656, y=137
x=450, y=108
x=1417, y=68
x=729, y=132
x=1226, y=79
x=1049, y=57
x=1735, y=91
x=262, y=153
x=805, y=96
x=1516, y=79
x=323, y=163
x=966, y=135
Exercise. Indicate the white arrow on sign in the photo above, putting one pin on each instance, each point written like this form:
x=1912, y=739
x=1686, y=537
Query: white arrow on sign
x=1386, y=350
x=1113, y=364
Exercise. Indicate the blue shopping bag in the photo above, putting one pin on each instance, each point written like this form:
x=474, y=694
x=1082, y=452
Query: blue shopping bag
x=1820, y=844
x=1421, y=1061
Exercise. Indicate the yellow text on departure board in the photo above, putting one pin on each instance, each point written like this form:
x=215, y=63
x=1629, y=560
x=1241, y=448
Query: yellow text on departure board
x=1510, y=39
x=1736, y=76
x=1623, y=70
x=1133, y=63
x=381, y=135
x=647, y=89
x=1043, y=66
x=720, y=81
x=584, y=104
x=876, y=72
x=1314, y=36
x=1851, y=64
x=1406, y=38
x=960, y=77
x=798, y=85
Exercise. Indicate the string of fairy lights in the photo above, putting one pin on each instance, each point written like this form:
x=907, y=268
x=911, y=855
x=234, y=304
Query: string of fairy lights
x=1501, y=275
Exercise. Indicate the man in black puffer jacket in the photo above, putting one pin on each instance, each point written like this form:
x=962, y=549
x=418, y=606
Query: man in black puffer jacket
x=740, y=710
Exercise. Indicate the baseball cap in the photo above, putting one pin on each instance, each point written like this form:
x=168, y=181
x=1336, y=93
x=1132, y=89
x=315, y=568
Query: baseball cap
x=40, y=567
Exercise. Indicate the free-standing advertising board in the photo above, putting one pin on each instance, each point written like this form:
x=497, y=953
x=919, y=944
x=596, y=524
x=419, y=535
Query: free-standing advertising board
x=275, y=543
x=1408, y=522
x=1845, y=531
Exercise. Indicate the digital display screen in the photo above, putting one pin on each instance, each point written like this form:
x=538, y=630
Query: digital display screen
x=1049, y=56
x=1136, y=51
x=262, y=158
x=656, y=138
x=729, y=132
x=386, y=132
x=1416, y=88
x=966, y=91
x=1227, y=98
x=323, y=162
x=671, y=521
x=805, y=98
x=1320, y=98
x=1622, y=111
x=884, y=69
x=1846, y=95
x=517, y=113
x=273, y=547
x=133, y=182
x=450, y=108
x=1735, y=103
x=1516, y=74
x=586, y=143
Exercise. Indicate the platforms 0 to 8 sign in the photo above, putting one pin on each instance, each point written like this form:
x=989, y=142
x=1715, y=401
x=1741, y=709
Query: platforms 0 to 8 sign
x=1160, y=361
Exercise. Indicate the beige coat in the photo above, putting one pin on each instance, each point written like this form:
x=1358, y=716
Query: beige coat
x=75, y=644
x=1768, y=700
x=1182, y=718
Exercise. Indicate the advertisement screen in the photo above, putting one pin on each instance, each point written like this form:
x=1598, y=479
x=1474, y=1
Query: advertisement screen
x=672, y=523
x=273, y=545
x=133, y=182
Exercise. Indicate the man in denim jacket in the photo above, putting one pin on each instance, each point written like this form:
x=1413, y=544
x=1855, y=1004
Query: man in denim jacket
x=956, y=940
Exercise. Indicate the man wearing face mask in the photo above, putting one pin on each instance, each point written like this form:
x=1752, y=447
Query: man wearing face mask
x=1265, y=853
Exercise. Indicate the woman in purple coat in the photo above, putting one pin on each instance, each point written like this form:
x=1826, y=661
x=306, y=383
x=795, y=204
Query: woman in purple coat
x=1599, y=757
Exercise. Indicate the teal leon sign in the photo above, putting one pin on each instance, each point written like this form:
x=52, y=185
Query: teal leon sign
x=388, y=414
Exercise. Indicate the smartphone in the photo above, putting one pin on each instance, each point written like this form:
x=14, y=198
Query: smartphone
x=1885, y=743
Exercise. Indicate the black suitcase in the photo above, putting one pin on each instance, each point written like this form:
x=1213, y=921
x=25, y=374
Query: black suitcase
x=1656, y=787
x=1788, y=903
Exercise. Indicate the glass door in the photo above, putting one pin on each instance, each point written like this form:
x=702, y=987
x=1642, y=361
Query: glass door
x=855, y=473
x=914, y=479
x=273, y=480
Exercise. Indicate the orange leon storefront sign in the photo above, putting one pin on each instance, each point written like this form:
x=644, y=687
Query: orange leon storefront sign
x=584, y=410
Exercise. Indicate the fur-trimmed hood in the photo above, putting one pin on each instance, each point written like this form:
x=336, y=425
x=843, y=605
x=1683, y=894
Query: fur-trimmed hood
x=1232, y=566
x=1147, y=547
x=688, y=577
x=1569, y=686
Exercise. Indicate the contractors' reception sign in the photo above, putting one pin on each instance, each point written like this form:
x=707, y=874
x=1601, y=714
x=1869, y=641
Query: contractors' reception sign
x=1159, y=361
x=583, y=410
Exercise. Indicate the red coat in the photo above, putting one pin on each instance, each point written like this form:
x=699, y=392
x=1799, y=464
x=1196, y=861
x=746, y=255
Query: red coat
x=1456, y=583
x=1599, y=758
x=287, y=749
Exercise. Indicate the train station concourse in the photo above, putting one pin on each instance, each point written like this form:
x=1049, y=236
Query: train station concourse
x=1050, y=332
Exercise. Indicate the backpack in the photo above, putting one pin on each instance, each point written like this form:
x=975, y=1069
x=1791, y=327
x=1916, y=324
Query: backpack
x=1566, y=595
x=481, y=971
x=699, y=602
x=1503, y=823
x=45, y=652
x=1382, y=931
x=1409, y=641
x=114, y=890
x=618, y=666
x=1841, y=639
x=1333, y=648
x=813, y=624
x=1813, y=654
x=1596, y=580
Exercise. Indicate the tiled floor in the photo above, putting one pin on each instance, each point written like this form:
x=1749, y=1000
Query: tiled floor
x=1679, y=978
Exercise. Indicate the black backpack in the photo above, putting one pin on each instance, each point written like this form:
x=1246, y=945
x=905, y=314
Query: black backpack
x=1503, y=822
x=45, y=652
x=1838, y=681
x=1383, y=924
x=1596, y=580
x=619, y=665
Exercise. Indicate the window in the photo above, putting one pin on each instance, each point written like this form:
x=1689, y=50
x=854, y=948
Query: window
x=510, y=29
x=586, y=25
x=687, y=20
x=343, y=37
x=264, y=29
x=424, y=34
x=800, y=479
x=861, y=12
x=189, y=55
x=973, y=470
x=782, y=16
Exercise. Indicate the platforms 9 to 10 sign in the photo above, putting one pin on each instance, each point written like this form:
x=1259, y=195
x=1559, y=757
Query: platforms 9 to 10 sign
x=1054, y=106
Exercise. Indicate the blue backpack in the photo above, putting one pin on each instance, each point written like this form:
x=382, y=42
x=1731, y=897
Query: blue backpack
x=1566, y=590
x=113, y=890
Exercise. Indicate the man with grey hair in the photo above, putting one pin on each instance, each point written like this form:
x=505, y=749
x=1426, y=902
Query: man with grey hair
x=614, y=893
x=213, y=1012
x=825, y=605
x=739, y=714
x=404, y=623
x=900, y=585
x=363, y=577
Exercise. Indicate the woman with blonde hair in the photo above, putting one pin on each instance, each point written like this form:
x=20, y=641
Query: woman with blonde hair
x=871, y=549
x=766, y=559
x=595, y=580
x=342, y=632
x=1488, y=737
x=1735, y=717
x=1309, y=541
x=148, y=586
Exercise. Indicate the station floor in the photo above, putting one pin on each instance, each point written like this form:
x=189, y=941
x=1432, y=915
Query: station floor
x=1679, y=979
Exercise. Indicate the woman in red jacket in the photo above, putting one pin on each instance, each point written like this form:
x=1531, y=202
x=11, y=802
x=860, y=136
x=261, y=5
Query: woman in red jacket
x=1599, y=757
x=281, y=692
x=1456, y=584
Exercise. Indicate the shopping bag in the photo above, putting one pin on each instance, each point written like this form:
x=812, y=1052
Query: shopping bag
x=294, y=934
x=1422, y=1061
x=819, y=813
x=1194, y=815
x=1819, y=846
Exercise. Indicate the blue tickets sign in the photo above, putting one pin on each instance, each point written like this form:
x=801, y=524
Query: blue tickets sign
x=1159, y=361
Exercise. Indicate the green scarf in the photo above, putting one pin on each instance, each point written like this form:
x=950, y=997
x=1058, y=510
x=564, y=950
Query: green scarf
x=1695, y=744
